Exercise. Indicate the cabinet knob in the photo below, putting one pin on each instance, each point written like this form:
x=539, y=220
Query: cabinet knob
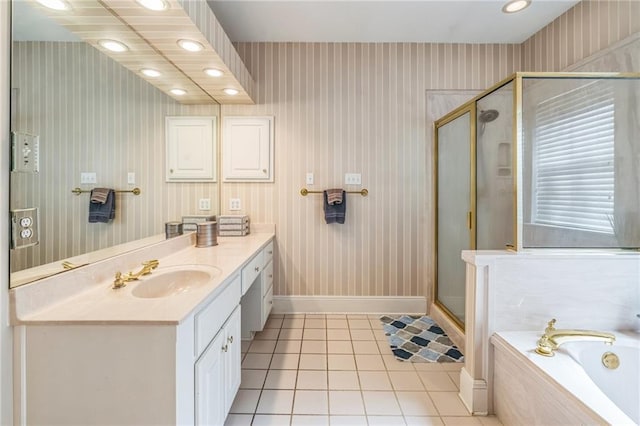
x=271, y=302
x=264, y=171
x=230, y=339
x=270, y=252
x=257, y=269
x=170, y=170
x=270, y=275
x=225, y=348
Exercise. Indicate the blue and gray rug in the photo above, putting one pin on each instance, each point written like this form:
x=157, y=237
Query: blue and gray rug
x=419, y=339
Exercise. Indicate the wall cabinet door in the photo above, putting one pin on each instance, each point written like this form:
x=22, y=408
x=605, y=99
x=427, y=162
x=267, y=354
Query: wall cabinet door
x=210, y=387
x=191, y=149
x=248, y=149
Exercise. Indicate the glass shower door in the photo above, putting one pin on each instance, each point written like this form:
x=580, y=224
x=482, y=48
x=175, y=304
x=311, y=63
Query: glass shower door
x=455, y=137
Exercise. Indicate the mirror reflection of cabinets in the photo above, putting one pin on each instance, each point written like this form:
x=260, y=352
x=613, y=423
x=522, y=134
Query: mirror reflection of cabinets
x=94, y=119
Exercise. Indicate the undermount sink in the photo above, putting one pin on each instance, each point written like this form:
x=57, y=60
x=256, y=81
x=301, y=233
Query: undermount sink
x=173, y=281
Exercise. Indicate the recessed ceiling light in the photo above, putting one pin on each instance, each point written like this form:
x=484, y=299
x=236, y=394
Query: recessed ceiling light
x=114, y=46
x=514, y=6
x=150, y=72
x=212, y=72
x=178, y=92
x=154, y=4
x=230, y=91
x=190, y=45
x=55, y=4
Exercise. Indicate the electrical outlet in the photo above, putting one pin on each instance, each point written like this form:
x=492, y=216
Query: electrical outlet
x=88, y=177
x=204, y=204
x=309, y=178
x=24, y=228
x=234, y=204
x=353, y=179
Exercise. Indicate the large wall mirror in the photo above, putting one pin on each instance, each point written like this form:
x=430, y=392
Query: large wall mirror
x=90, y=115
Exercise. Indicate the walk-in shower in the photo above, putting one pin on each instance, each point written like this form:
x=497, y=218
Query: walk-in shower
x=540, y=160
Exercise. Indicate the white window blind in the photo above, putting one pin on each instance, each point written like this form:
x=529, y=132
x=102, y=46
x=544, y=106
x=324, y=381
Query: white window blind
x=573, y=159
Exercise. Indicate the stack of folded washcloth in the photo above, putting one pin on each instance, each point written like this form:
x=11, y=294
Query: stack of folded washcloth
x=233, y=225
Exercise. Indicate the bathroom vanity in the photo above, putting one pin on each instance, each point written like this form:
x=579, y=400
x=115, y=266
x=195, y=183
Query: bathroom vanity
x=162, y=350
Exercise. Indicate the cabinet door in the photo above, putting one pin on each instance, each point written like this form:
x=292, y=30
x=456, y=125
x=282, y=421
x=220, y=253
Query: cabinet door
x=210, y=395
x=190, y=149
x=248, y=149
x=233, y=358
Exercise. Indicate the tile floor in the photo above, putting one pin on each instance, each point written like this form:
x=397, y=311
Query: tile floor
x=338, y=370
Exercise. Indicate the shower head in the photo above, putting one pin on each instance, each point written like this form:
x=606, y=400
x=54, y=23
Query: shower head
x=488, y=116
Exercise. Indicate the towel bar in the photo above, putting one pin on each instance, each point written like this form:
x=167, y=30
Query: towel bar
x=134, y=191
x=305, y=191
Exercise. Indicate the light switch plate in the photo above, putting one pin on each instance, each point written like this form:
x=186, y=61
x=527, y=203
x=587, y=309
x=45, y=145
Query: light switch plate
x=131, y=178
x=88, y=177
x=309, y=178
x=24, y=228
x=26, y=149
x=353, y=179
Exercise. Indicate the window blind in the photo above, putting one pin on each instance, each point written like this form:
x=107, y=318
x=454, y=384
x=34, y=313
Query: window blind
x=574, y=159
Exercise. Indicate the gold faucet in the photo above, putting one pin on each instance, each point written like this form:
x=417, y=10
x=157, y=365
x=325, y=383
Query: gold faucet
x=67, y=266
x=552, y=338
x=122, y=280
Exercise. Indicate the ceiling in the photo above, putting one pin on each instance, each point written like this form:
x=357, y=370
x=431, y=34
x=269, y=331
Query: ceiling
x=436, y=21
x=151, y=38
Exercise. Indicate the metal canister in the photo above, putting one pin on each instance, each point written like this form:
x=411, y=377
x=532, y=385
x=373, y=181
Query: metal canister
x=207, y=234
x=172, y=229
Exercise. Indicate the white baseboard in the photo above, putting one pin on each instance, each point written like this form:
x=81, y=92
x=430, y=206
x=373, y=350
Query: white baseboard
x=350, y=304
x=474, y=394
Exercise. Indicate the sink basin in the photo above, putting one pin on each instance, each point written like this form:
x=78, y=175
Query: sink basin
x=173, y=281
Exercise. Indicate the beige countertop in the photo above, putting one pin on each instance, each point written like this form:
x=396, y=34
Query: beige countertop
x=85, y=295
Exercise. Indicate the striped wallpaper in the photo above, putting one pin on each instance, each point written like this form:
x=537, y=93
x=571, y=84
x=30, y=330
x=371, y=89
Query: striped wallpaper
x=338, y=108
x=93, y=115
x=361, y=108
x=588, y=27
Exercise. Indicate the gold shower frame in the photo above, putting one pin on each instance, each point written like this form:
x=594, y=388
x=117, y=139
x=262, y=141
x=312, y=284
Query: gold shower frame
x=516, y=140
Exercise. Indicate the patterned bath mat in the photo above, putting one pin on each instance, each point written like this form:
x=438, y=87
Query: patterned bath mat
x=419, y=339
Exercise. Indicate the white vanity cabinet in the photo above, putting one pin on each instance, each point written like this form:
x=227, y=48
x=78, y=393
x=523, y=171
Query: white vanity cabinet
x=257, y=299
x=129, y=374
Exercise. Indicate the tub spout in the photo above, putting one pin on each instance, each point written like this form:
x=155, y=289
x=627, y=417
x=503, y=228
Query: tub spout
x=552, y=338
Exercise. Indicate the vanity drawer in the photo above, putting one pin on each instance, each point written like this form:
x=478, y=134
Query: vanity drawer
x=267, y=304
x=267, y=278
x=211, y=318
x=251, y=271
x=268, y=252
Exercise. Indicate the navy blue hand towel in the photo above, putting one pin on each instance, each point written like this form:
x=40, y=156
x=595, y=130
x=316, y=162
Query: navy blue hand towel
x=103, y=212
x=335, y=213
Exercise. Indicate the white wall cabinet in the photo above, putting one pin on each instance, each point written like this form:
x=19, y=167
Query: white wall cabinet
x=218, y=374
x=248, y=149
x=191, y=149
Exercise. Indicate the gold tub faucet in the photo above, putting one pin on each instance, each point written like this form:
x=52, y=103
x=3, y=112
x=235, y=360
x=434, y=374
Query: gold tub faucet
x=552, y=338
x=122, y=280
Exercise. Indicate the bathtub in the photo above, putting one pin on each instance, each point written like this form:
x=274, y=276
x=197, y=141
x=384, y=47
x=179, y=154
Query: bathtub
x=573, y=387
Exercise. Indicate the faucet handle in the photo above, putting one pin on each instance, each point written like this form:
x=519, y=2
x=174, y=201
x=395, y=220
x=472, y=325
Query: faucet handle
x=119, y=282
x=550, y=326
x=153, y=263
